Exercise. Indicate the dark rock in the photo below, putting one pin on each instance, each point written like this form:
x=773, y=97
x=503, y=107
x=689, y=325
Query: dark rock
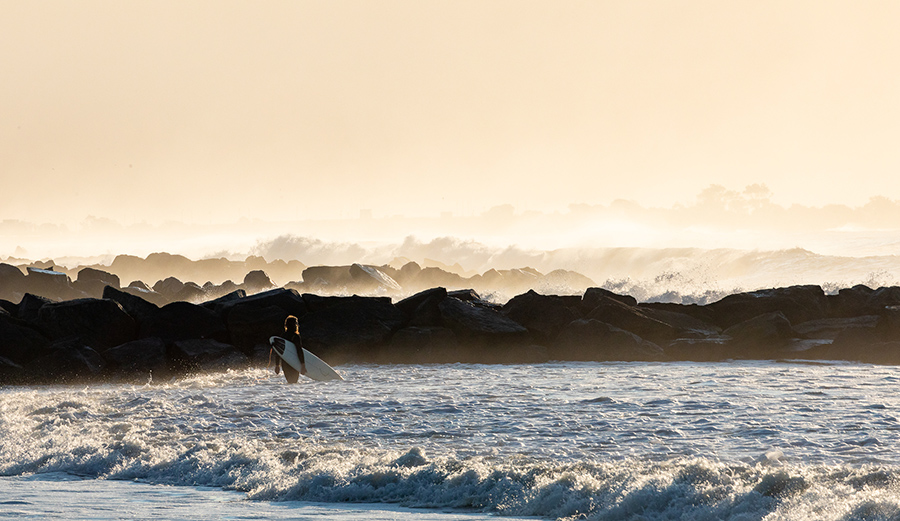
x=257, y=281
x=830, y=328
x=850, y=302
x=407, y=273
x=466, y=295
x=435, y=277
x=10, y=372
x=92, y=281
x=252, y=320
x=422, y=308
x=9, y=308
x=469, y=320
x=594, y=296
x=140, y=357
x=30, y=305
x=54, y=285
x=139, y=309
x=797, y=303
x=190, y=292
x=333, y=277
x=12, y=282
x=762, y=334
x=351, y=327
x=96, y=323
x=20, y=342
x=183, y=321
x=205, y=355
x=137, y=284
x=631, y=318
x=168, y=287
x=685, y=325
x=422, y=345
x=696, y=311
x=66, y=362
x=543, y=315
x=883, y=298
x=593, y=340
x=225, y=300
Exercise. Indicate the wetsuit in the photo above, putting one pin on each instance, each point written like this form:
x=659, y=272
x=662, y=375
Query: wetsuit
x=291, y=374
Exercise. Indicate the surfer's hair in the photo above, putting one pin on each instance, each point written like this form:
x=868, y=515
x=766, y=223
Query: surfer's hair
x=292, y=324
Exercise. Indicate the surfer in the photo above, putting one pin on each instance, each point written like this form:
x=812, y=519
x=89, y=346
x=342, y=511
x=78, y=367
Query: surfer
x=292, y=333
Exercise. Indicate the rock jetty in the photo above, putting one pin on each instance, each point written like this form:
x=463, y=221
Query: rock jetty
x=133, y=334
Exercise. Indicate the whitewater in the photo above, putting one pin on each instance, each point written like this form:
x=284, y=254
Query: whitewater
x=739, y=440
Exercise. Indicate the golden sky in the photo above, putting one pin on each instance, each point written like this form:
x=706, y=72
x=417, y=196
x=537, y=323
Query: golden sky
x=209, y=111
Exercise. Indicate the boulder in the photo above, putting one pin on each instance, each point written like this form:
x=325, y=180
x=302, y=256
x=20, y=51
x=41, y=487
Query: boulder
x=146, y=356
x=762, y=334
x=351, y=327
x=421, y=345
x=252, y=320
x=434, y=277
x=593, y=296
x=96, y=323
x=631, y=318
x=470, y=320
x=139, y=284
x=372, y=280
x=407, y=273
x=422, y=308
x=797, y=303
x=593, y=340
x=51, y=284
x=888, y=324
x=183, y=321
x=223, y=301
x=257, y=281
x=12, y=282
x=92, y=281
x=333, y=277
x=168, y=287
x=883, y=298
x=190, y=292
x=20, y=342
x=30, y=305
x=830, y=328
x=137, y=307
x=542, y=315
x=205, y=355
x=850, y=302
x=10, y=372
x=66, y=362
x=9, y=308
x=685, y=325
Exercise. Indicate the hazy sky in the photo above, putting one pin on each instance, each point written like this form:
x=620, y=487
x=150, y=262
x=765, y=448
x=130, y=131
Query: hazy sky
x=209, y=111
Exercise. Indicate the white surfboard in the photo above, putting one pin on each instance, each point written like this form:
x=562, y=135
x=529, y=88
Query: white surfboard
x=316, y=368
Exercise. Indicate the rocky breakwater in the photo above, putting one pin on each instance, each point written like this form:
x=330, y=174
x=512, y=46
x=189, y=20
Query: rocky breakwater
x=124, y=336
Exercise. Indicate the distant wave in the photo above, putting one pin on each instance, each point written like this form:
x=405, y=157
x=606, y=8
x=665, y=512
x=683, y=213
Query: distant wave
x=684, y=275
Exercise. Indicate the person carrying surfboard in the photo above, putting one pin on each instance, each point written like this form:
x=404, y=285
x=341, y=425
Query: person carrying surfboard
x=292, y=333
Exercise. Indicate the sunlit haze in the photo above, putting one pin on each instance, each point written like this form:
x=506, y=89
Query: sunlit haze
x=247, y=121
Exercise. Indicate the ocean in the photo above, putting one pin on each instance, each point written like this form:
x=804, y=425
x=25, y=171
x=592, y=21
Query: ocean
x=741, y=440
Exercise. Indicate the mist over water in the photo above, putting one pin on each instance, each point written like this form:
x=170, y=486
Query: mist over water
x=723, y=242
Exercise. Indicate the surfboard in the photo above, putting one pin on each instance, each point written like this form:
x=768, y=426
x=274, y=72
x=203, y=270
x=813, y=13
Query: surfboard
x=316, y=368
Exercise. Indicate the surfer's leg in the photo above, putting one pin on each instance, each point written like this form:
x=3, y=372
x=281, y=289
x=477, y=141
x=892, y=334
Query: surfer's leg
x=291, y=374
